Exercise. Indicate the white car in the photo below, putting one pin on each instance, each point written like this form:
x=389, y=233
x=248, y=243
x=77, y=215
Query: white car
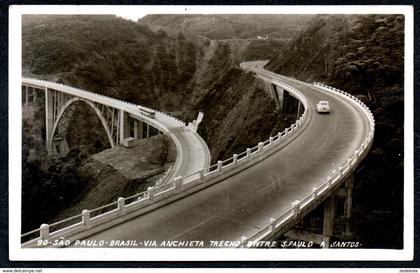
x=323, y=106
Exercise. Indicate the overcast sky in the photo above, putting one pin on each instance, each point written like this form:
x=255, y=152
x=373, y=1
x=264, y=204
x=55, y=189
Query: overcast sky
x=131, y=15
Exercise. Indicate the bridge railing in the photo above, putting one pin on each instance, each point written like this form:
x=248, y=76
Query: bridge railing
x=180, y=186
x=277, y=222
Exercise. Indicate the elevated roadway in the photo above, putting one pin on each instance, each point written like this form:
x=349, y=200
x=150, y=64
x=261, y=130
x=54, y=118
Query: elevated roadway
x=244, y=202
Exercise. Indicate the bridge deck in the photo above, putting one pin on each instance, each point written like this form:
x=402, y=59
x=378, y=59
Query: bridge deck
x=243, y=203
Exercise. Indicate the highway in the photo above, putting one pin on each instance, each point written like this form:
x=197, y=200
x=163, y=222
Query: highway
x=243, y=203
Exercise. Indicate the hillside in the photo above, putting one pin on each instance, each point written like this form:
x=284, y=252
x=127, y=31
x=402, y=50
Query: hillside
x=360, y=54
x=230, y=26
x=363, y=55
x=131, y=62
x=237, y=107
x=259, y=36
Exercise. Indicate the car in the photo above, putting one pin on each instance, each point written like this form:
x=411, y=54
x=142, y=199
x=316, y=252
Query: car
x=147, y=113
x=323, y=106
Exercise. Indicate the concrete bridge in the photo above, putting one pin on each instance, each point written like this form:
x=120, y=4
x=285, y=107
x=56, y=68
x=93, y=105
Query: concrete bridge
x=256, y=195
x=122, y=122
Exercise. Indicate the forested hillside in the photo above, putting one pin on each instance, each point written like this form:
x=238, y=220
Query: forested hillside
x=231, y=26
x=110, y=56
x=260, y=36
x=363, y=55
x=122, y=59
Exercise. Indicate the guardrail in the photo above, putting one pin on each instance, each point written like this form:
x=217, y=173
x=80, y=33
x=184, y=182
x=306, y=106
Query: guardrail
x=276, y=223
x=165, y=193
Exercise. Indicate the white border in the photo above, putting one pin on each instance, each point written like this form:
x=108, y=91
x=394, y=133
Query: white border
x=112, y=254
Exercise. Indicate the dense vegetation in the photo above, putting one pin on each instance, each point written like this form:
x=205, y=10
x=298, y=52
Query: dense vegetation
x=110, y=56
x=231, y=26
x=363, y=55
x=47, y=180
x=261, y=36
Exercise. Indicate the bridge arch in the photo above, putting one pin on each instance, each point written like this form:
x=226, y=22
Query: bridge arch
x=66, y=106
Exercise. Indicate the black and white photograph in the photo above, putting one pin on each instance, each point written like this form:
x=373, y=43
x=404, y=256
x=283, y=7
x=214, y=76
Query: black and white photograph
x=224, y=133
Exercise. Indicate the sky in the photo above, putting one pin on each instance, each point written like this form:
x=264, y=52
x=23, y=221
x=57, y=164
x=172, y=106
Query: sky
x=131, y=15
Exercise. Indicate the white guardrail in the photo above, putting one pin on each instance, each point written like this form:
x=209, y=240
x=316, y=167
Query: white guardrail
x=276, y=223
x=163, y=194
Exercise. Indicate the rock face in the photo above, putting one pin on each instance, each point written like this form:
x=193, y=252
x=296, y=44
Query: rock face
x=121, y=172
x=238, y=113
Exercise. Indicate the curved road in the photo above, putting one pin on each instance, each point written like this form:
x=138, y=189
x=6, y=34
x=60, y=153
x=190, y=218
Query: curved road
x=243, y=203
x=194, y=152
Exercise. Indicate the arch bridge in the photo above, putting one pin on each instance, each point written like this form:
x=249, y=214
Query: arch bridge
x=121, y=121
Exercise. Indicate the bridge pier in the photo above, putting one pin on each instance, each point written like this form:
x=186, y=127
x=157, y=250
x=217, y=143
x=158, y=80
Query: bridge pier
x=274, y=95
x=280, y=97
x=26, y=95
x=277, y=94
x=122, y=125
x=33, y=94
x=329, y=217
x=330, y=214
x=299, y=111
x=348, y=204
x=29, y=95
x=138, y=129
x=59, y=146
x=345, y=194
x=323, y=239
x=129, y=126
x=49, y=119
